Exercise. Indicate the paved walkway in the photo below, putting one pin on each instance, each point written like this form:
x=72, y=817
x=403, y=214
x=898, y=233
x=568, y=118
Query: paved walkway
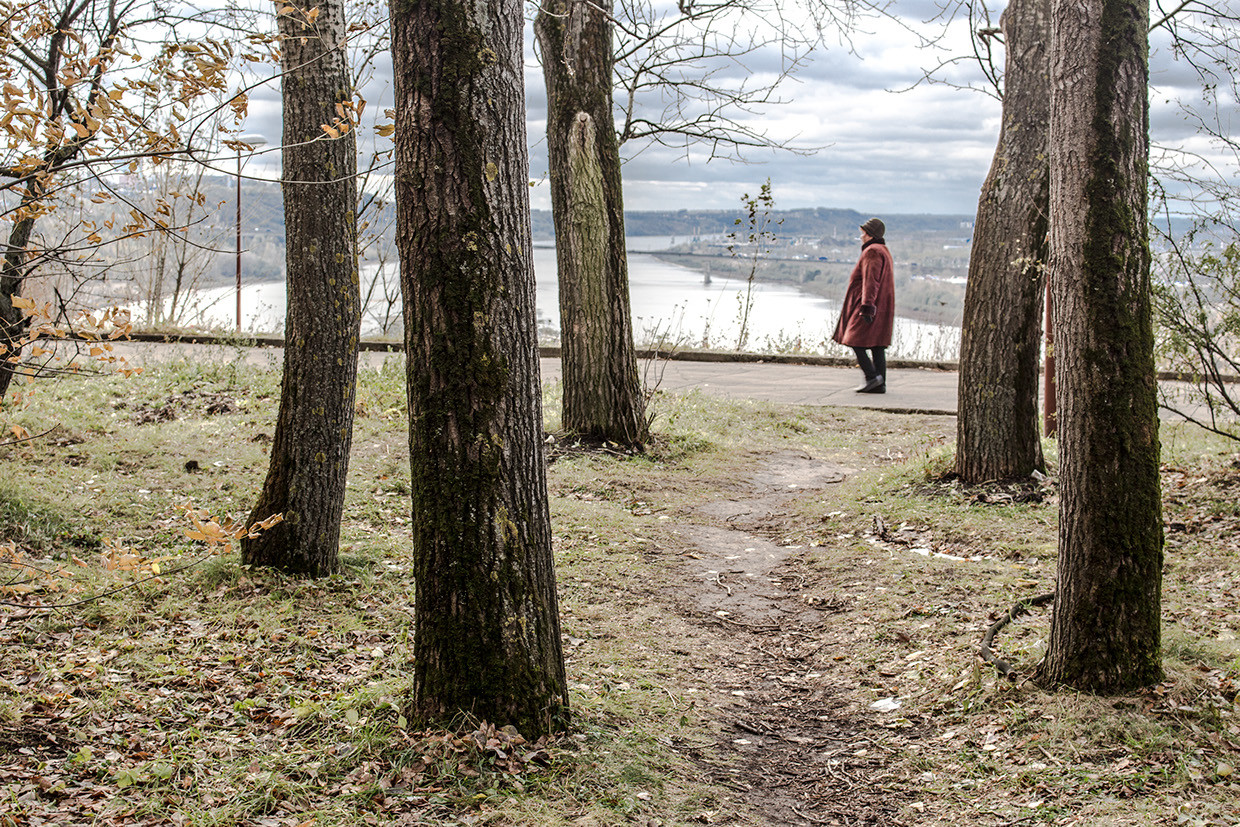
x=909, y=390
x=932, y=391
x=929, y=391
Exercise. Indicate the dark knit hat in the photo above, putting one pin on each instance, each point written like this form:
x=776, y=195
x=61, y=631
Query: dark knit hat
x=874, y=228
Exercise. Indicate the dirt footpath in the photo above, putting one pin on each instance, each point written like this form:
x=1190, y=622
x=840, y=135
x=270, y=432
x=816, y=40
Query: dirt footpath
x=796, y=751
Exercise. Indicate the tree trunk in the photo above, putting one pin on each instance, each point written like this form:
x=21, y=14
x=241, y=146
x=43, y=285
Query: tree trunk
x=80, y=29
x=1105, y=624
x=602, y=393
x=310, y=451
x=997, y=427
x=12, y=322
x=487, y=630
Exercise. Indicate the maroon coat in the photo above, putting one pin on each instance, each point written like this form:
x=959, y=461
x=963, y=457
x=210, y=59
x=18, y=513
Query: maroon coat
x=871, y=291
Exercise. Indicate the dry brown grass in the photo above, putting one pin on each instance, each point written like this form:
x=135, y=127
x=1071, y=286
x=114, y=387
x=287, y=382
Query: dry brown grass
x=221, y=696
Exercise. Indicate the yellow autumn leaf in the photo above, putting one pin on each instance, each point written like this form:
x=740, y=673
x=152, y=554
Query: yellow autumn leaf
x=274, y=519
x=330, y=130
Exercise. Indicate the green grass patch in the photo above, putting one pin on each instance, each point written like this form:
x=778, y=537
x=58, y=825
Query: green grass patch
x=220, y=696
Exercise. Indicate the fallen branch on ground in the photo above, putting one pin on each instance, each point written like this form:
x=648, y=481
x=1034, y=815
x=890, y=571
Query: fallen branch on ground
x=1003, y=667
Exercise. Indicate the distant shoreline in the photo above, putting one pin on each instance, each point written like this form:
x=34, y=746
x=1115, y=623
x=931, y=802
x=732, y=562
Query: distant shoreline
x=829, y=289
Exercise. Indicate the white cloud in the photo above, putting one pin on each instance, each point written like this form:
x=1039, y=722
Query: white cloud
x=926, y=148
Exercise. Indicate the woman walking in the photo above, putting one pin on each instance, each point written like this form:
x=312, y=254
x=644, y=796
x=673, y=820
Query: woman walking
x=870, y=308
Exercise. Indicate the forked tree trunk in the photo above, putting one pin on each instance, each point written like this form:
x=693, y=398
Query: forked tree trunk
x=487, y=631
x=997, y=427
x=314, y=430
x=1105, y=623
x=602, y=392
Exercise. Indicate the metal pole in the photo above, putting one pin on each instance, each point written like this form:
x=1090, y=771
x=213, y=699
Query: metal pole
x=238, y=240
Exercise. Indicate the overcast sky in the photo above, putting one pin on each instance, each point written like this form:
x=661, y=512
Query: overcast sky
x=886, y=144
x=920, y=150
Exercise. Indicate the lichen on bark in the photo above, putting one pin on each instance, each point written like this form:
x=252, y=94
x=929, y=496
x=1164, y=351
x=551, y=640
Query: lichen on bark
x=603, y=398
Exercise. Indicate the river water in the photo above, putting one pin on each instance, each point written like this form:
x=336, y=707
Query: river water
x=672, y=305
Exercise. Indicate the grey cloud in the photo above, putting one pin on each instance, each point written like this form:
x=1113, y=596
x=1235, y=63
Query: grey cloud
x=925, y=150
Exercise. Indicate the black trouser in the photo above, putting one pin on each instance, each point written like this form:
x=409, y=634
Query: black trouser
x=875, y=367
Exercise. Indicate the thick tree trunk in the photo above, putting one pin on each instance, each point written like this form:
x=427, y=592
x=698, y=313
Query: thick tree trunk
x=310, y=451
x=602, y=392
x=997, y=427
x=1105, y=624
x=487, y=638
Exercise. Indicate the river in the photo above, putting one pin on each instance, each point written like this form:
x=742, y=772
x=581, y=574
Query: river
x=672, y=305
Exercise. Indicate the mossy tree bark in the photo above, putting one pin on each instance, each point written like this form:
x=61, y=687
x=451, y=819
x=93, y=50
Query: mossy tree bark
x=603, y=396
x=487, y=636
x=997, y=428
x=1105, y=623
x=314, y=429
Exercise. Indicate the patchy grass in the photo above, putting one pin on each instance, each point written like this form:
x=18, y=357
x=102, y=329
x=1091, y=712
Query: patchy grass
x=219, y=695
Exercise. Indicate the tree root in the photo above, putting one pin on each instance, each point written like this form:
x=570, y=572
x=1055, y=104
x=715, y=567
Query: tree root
x=1001, y=666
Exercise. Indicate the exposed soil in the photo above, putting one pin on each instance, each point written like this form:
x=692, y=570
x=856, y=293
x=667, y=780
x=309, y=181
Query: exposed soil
x=792, y=745
x=176, y=405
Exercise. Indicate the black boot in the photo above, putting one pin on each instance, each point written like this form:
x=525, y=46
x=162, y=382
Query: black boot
x=875, y=384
